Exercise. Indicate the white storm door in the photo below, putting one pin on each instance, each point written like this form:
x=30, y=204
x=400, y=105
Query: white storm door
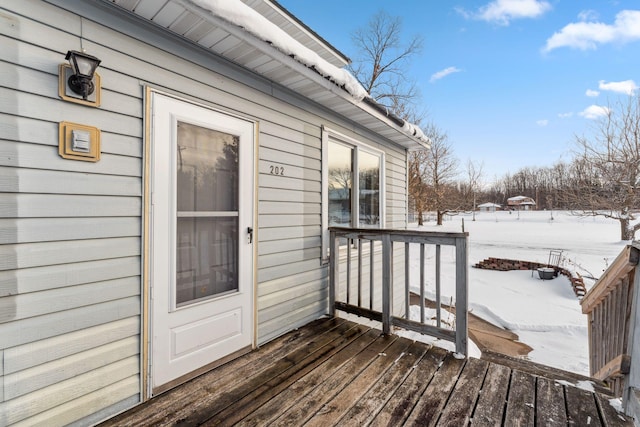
x=201, y=237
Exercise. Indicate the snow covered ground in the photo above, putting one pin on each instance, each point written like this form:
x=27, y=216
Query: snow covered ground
x=545, y=314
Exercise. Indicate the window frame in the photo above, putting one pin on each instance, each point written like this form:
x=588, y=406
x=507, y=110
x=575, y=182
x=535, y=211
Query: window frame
x=328, y=134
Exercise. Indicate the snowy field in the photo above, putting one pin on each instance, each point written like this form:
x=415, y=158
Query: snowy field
x=545, y=314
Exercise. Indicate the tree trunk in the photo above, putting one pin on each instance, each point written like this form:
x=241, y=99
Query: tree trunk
x=626, y=233
x=439, y=214
x=420, y=220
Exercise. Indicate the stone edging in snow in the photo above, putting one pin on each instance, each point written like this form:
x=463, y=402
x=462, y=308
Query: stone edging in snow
x=502, y=264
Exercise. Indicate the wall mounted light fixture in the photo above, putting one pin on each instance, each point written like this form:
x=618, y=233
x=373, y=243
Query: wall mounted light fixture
x=83, y=67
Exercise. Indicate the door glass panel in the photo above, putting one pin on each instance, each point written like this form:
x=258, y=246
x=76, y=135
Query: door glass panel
x=207, y=214
x=340, y=179
x=207, y=169
x=369, y=189
x=207, y=262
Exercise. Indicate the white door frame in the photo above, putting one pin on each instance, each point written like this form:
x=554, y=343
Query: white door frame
x=157, y=381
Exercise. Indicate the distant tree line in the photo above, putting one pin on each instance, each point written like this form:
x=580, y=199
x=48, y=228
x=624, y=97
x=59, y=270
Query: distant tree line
x=602, y=179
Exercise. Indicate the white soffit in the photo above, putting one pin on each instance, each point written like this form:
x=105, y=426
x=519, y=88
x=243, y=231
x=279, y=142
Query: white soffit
x=219, y=35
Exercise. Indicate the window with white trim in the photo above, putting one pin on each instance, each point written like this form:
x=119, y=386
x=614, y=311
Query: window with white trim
x=353, y=183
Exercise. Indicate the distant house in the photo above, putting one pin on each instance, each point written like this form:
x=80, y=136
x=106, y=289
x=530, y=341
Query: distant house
x=489, y=207
x=523, y=203
x=173, y=211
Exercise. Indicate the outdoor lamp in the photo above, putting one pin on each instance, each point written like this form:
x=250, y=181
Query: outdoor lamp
x=83, y=67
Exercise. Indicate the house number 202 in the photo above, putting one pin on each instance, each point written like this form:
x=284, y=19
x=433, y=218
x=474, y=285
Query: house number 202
x=276, y=170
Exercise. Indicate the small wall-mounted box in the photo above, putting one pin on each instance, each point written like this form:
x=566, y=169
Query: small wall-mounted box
x=79, y=142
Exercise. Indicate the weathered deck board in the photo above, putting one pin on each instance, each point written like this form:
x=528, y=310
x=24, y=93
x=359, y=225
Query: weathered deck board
x=435, y=396
x=610, y=417
x=493, y=397
x=374, y=400
x=581, y=407
x=337, y=407
x=338, y=373
x=263, y=394
x=462, y=400
x=406, y=396
x=284, y=400
x=216, y=407
x=313, y=401
x=550, y=403
x=521, y=399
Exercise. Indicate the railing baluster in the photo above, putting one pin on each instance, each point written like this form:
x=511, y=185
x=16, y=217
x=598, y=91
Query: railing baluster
x=422, y=283
x=371, y=275
x=334, y=248
x=359, y=272
x=438, y=297
x=387, y=283
x=407, y=295
x=349, y=243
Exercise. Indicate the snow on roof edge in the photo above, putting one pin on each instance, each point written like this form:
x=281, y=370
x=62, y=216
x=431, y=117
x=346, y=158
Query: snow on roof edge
x=254, y=23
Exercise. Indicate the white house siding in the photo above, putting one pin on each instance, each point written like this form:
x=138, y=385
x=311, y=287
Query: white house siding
x=71, y=232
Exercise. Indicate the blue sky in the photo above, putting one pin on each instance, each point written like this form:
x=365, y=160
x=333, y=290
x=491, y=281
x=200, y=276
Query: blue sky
x=511, y=81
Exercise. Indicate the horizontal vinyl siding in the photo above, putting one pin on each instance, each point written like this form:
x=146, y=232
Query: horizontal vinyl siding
x=292, y=281
x=70, y=233
x=396, y=189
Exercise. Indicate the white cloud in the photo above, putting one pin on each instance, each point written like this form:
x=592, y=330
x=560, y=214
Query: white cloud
x=588, y=35
x=565, y=115
x=588, y=15
x=542, y=123
x=627, y=87
x=592, y=93
x=594, y=112
x=444, y=73
x=502, y=12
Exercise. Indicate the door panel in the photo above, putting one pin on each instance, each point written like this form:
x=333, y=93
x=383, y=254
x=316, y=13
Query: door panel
x=201, y=256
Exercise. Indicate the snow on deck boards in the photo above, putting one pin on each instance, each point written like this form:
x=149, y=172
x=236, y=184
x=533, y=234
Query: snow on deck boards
x=335, y=372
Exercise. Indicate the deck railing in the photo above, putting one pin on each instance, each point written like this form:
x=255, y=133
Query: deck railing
x=613, y=309
x=372, y=276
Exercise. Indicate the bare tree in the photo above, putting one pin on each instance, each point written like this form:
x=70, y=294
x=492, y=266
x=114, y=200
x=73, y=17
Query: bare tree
x=381, y=69
x=380, y=65
x=474, y=175
x=418, y=182
x=607, y=169
x=439, y=172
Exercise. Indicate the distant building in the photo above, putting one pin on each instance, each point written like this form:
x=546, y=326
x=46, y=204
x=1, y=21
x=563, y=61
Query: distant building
x=522, y=203
x=489, y=207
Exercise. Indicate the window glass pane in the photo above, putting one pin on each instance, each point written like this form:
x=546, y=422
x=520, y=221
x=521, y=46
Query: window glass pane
x=207, y=169
x=206, y=259
x=369, y=189
x=340, y=179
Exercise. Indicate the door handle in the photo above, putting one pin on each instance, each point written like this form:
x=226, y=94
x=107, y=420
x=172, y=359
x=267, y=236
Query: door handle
x=250, y=233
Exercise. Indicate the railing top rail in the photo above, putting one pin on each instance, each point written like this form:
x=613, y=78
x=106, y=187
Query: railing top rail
x=398, y=233
x=626, y=261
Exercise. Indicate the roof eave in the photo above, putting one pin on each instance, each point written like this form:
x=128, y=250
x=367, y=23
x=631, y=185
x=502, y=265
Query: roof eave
x=413, y=142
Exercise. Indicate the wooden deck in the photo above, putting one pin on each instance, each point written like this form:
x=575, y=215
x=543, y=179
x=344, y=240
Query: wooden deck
x=335, y=372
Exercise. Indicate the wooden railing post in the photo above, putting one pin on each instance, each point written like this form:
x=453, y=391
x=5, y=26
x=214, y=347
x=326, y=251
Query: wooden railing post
x=334, y=249
x=387, y=283
x=631, y=385
x=461, y=295
x=438, y=296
